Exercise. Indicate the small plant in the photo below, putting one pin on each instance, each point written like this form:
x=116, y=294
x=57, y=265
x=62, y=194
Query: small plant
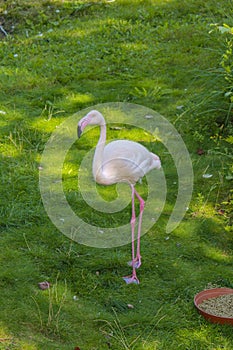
x=115, y=331
x=210, y=110
x=227, y=65
x=227, y=209
x=50, y=110
x=56, y=297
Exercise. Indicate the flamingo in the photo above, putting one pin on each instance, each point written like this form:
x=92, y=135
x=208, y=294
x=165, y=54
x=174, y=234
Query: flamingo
x=121, y=161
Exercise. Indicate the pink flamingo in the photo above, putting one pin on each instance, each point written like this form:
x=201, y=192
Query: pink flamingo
x=121, y=161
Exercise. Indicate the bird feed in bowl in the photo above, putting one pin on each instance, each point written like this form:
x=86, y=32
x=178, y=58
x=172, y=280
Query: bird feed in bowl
x=216, y=305
x=221, y=306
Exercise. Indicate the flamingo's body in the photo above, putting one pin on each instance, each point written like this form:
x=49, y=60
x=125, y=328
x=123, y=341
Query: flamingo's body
x=121, y=161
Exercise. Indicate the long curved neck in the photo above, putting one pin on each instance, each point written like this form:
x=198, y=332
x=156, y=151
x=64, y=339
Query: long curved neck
x=98, y=156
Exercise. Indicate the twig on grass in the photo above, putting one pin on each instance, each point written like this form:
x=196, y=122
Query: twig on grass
x=3, y=30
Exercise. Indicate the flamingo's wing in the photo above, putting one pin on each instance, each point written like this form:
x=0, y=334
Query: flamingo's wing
x=125, y=160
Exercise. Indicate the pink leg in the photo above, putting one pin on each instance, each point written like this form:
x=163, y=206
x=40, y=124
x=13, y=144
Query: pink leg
x=132, y=222
x=136, y=262
x=142, y=205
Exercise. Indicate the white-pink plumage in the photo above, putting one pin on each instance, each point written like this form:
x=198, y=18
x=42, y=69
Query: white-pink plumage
x=121, y=161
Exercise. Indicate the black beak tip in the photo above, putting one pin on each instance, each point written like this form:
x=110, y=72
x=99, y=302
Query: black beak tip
x=79, y=131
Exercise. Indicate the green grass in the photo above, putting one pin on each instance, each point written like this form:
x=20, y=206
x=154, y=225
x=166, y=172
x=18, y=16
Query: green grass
x=59, y=58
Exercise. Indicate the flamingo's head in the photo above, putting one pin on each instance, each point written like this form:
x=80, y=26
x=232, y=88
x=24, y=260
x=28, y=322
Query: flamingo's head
x=92, y=118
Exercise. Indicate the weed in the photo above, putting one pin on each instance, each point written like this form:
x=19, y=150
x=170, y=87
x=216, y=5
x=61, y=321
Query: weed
x=115, y=331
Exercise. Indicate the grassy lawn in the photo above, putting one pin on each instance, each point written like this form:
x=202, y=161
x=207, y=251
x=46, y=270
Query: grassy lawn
x=58, y=58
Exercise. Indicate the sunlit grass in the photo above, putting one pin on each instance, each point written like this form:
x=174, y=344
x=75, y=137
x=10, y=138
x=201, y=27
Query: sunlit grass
x=203, y=337
x=216, y=254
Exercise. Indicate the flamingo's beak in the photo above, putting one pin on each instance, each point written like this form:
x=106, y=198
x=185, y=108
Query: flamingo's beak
x=82, y=124
x=79, y=131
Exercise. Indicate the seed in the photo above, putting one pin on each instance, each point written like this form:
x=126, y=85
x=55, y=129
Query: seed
x=221, y=306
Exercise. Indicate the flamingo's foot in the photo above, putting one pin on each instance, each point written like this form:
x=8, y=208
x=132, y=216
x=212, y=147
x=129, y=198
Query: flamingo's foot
x=136, y=263
x=131, y=279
